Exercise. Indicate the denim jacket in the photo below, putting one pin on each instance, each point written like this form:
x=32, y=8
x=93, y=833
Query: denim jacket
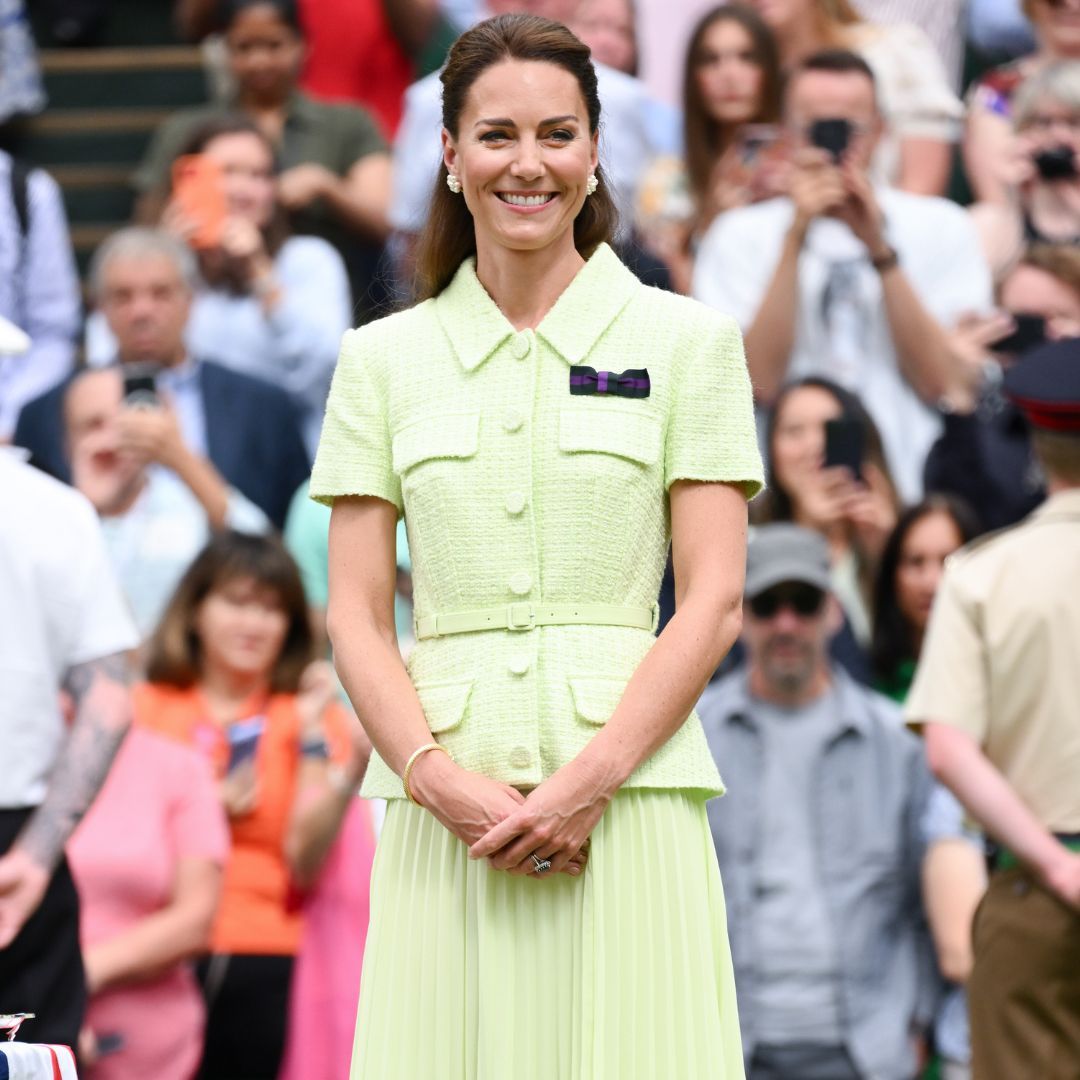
x=871, y=792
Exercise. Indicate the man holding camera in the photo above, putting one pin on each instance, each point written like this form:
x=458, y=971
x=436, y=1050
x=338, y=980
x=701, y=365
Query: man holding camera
x=844, y=280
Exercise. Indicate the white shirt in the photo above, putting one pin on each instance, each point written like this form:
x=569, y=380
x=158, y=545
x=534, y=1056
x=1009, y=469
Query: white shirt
x=156, y=540
x=626, y=147
x=60, y=606
x=841, y=330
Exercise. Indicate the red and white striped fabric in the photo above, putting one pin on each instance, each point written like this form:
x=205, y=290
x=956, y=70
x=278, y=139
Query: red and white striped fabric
x=32, y=1061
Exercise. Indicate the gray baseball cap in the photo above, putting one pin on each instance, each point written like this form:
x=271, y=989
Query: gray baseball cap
x=782, y=552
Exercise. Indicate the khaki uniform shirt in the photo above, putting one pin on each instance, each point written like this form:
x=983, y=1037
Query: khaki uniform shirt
x=514, y=491
x=1001, y=659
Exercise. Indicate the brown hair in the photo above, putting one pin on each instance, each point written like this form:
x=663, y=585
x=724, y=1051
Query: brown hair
x=703, y=137
x=1060, y=261
x=174, y=654
x=1059, y=454
x=449, y=237
x=276, y=230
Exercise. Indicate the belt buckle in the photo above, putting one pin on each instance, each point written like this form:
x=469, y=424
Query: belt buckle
x=520, y=616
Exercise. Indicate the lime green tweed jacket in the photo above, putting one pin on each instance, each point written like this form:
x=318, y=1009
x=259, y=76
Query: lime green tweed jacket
x=514, y=490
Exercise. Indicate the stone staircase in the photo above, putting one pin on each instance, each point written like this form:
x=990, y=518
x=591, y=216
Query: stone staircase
x=104, y=104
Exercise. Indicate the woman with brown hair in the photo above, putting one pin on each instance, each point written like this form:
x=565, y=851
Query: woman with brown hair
x=546, y=901
x=230, y=672
x=731, y=102
x=854, y=510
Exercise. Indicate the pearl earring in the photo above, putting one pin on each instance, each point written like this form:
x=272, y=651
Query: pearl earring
x=453, y=183
x=591, y=184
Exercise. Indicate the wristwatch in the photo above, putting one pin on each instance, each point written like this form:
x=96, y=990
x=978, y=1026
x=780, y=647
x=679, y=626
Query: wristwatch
x=314, y=748
x=886, y=260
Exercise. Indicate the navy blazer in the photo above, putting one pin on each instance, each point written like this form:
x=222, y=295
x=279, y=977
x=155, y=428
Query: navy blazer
x=252, y=436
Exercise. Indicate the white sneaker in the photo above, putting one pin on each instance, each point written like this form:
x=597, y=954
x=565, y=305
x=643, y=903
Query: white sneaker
x=13, y=341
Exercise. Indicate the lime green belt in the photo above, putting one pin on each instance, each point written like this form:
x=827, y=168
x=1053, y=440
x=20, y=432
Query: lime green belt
x=1006, y=860
x=526, y=615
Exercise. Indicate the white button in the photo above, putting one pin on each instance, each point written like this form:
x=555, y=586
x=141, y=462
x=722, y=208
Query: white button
x=521, y=584
x=522, y=344
x=513, y=420
x=520, y=757
x=520, y=664
x=515, y=503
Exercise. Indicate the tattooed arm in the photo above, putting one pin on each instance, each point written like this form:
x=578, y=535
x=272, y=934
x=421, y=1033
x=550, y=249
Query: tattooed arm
x=99, y=689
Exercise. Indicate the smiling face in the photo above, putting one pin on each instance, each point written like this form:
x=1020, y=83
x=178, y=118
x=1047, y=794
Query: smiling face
x=241, y=626
x=798, y=441
x=247, y=175
x=523, y=154
x=728, y=74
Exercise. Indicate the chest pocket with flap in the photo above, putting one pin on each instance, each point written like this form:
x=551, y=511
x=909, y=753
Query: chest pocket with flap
x=456, y=435
x=624, y=432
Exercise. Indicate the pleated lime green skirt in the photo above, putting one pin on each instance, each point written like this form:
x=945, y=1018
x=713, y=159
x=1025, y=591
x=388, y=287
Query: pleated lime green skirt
x=621, y=974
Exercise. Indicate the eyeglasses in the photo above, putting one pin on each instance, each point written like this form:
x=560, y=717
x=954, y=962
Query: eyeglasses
x=805, y=600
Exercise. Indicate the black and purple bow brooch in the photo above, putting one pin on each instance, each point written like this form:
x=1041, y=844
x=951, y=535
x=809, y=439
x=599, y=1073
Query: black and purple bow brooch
x=632, y=383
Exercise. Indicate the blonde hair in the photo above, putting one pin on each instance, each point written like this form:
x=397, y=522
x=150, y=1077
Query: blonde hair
x=1059, y=81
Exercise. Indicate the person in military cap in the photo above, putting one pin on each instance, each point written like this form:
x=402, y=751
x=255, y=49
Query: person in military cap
x=998, y=695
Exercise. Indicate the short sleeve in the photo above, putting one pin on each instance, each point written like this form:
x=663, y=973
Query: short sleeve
x=358, y=136
x=354, y=455
x=951, y=680
x=197, y=825
x=152, y=174
x=711, y=434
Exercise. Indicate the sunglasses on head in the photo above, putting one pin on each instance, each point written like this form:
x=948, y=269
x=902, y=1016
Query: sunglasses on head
x=804, y=600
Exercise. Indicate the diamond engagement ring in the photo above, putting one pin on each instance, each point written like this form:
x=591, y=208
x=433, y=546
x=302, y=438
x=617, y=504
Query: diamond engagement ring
x=542, y=866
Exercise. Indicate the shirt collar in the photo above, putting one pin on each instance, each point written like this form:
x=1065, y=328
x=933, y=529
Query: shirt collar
x=587, y=307
x=180, y=376
x=851, y=712
x=1065, y=504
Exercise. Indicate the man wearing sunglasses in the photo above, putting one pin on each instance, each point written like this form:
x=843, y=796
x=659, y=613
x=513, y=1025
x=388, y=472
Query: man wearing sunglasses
x=818, y=838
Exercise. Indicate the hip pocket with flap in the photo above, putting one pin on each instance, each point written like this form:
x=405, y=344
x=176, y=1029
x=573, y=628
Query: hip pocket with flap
x=444, y=703
x=596, y=699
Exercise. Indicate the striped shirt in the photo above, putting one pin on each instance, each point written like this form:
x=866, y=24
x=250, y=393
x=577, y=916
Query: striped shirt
x=39, y=292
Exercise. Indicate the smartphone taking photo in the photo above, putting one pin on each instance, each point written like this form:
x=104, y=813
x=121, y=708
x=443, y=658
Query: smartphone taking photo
x=833, y=136
x=140, y=385
x=845, y=445
x=199, y=191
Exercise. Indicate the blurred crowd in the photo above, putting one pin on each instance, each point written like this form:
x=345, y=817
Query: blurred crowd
x=884, y=193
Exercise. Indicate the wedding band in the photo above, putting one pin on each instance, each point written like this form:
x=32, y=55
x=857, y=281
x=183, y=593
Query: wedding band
x=542, y=866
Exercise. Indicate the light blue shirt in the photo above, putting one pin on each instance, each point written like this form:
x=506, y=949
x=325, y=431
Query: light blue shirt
x=152, y=544
x=39, y=292
x=627, y=143
x=182, y=386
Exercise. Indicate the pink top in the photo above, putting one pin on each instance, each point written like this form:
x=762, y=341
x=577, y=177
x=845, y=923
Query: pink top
x=159, y=805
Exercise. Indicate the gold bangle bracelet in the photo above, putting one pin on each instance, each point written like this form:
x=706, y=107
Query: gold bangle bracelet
x=413, y=759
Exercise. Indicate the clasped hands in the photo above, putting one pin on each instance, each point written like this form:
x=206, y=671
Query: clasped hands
x=553, y=821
